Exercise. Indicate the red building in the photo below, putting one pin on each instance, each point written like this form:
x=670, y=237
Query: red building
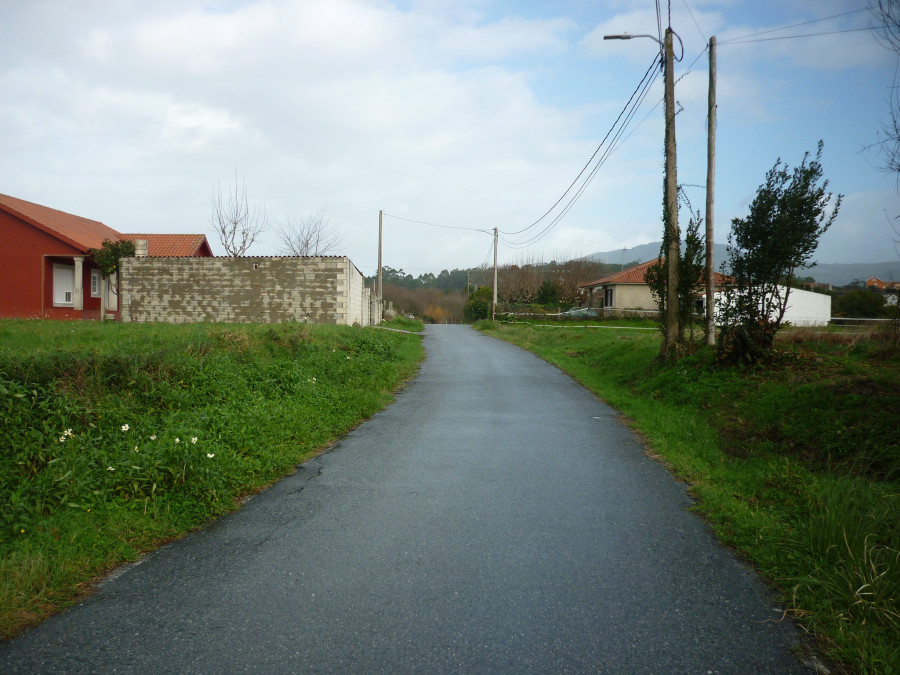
x=46, y=269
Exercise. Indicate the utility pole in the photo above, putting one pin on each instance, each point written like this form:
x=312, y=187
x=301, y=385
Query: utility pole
x=380, y=215
x=710, y=198
x=494, y=303
x=673, y=336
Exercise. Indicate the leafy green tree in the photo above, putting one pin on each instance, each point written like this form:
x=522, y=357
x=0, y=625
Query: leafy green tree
x=548, y=293
x=109, y=254
x=690, y=277
x=787, y=217
x=861, y=303
x=478, y=305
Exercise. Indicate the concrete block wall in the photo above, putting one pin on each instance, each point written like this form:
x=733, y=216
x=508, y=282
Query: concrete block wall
x=355, y=287
x=241, y=290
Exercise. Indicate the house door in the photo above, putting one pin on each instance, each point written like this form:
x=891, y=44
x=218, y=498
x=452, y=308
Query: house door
x=63, y=285
x=608, y=297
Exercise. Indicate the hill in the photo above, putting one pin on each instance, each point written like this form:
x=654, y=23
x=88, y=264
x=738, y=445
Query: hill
x=837, y=274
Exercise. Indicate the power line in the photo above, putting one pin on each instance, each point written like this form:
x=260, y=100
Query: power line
x=641, y=84
x=659, y=29
x=795, y=25
x=738, y=41
x=642, y=91
x=445, y=227
x=700, y=30
x=587, y=181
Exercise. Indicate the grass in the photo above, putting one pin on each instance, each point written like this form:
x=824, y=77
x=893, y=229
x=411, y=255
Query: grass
x=404, y=323
x=120, y=437
x=796, y=466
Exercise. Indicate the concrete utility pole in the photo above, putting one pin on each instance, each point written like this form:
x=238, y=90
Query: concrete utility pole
x=494, y=303
x=380, y=215
x=673, y=337
x=710, y=199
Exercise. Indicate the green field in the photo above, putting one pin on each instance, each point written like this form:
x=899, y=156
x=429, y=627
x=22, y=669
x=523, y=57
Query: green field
x=119, y=437
x=795, y=465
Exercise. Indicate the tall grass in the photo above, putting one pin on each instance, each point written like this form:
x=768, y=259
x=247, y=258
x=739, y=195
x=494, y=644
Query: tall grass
x=796, y=465
x=117, y=437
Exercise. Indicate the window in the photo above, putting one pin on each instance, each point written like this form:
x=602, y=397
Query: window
x=608, y=297
x=96, y=283
x=63, y=285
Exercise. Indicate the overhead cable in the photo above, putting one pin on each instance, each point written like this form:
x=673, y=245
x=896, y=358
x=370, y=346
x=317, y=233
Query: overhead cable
x=445, y=227
x=738, y=41
x=641, y=84
x=616, y=132
x=795, y=25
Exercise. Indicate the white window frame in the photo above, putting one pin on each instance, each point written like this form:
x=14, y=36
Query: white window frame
x=96, y=283
x=63, y=294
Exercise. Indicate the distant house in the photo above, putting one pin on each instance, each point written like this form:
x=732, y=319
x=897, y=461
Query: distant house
x=46, y=270
x=876, y=283
x=627, y=289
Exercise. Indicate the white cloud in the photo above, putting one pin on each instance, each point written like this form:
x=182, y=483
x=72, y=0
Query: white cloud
x=453, y=113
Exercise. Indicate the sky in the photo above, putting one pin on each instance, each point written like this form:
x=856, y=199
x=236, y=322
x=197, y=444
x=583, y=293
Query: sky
x=453, y=117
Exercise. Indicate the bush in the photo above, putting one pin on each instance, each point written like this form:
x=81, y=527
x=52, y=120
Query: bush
x=479, y=304
x=765, y=249
x=860, y=303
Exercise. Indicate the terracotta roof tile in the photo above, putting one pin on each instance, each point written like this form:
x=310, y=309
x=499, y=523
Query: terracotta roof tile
x=635, y=275
x=171, y=245
x=80, y=232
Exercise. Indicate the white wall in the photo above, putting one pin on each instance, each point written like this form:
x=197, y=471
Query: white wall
x=804, y=308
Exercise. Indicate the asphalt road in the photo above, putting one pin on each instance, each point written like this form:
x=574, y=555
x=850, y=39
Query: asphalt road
x=495, y=519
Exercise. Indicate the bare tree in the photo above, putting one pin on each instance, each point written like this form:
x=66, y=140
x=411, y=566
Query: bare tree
x=311, y=235
x=233, y=221
x=886, y=28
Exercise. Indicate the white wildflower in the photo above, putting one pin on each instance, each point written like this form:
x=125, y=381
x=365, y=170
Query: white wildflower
x=125, y=427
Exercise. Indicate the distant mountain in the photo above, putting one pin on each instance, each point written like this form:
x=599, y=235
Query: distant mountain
x=646, y=252
x=841, y=274
x=837, y=274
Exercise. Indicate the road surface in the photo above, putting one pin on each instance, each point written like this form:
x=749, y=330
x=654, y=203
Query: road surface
x=496, y=518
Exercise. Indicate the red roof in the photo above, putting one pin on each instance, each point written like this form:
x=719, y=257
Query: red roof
x=84, y=234
x=75, y=230
x=635, y=275
x=173, y=245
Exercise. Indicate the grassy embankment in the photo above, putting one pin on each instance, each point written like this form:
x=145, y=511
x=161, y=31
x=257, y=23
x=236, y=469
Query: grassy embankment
x=119, y=437
x=797, y=465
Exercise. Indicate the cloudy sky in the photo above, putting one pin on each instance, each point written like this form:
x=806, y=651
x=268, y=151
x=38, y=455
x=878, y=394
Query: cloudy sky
x=456, y=113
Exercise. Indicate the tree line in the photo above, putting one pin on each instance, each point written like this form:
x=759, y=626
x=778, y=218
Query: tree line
x=442, y=297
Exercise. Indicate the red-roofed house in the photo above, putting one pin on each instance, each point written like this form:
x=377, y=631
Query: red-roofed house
x=627, y=289
x=46, y=270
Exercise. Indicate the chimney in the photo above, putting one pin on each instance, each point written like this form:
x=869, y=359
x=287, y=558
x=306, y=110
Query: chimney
x=140, y=248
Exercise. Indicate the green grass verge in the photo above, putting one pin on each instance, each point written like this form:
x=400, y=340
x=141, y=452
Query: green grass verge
x=119, y=437
x=796, y=465
x=403, y=323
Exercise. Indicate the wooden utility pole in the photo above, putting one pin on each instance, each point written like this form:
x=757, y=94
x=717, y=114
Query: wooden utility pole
x=494, y=302
x=380, y=216
x=673, y=333
x=710, y=199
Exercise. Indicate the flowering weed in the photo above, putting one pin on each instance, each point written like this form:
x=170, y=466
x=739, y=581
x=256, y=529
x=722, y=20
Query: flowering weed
x=125, y=435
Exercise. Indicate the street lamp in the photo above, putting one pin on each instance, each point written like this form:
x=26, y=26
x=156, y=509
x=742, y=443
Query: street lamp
x=628, y=36
x=670, y=200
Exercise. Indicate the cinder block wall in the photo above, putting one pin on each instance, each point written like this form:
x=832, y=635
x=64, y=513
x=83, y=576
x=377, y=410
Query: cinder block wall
x=241, y=290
